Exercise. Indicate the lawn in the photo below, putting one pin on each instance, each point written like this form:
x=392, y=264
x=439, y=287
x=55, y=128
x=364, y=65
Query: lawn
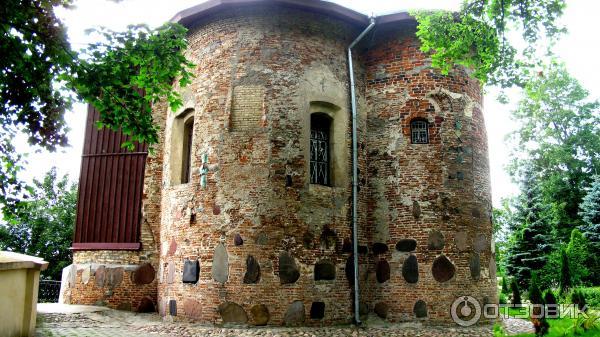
x=558, y=328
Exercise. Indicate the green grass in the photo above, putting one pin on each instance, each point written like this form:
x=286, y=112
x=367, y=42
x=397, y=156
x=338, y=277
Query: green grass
x=558, y=328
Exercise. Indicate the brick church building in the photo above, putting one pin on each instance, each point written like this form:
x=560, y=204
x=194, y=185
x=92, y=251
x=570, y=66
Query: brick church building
x=246, y=209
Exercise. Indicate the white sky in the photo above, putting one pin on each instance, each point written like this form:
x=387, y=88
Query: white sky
x=579, y=49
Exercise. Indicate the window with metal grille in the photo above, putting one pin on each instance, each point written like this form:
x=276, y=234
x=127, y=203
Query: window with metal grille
x=419, y=133
x=320, y=125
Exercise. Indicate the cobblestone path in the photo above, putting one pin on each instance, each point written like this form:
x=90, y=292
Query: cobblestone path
x=112, y=323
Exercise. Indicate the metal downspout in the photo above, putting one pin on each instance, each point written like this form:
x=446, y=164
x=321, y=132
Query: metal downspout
x=355, y=172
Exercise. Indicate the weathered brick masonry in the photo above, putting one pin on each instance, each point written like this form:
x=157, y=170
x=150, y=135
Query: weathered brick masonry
x=273, y=248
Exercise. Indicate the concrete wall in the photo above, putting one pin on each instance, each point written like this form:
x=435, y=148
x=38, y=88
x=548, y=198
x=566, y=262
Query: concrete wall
x=19, y=281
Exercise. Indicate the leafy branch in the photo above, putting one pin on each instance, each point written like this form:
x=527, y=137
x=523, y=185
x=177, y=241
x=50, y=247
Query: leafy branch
x=476, y=37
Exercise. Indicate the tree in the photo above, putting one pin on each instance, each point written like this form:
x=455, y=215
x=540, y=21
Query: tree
x=589, y=210
x=559, y=137
x=41, y=75
x=535, y=297
x=565, y=274
x=475, y=36
x=577, y=251
x=516, y=293
x=535, y=293
x=43, y=226
x=504, y=288
x=578, y=298
x=532, y=241
x=550, y=298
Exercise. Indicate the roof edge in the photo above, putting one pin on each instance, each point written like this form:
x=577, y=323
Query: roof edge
x=189, y=16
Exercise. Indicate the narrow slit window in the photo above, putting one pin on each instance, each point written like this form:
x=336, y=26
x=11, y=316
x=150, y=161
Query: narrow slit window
x=188, y=134
x=419, y=132
x=320, y=125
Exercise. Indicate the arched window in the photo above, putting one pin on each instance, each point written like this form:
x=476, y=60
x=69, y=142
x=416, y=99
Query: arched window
x=186, y=158
x=419, y=132
x=182, y=139
x=320, y=129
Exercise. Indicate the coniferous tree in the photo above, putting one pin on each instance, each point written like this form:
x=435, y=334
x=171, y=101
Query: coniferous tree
x=577, y=251
x=535, y=297
x=516, y=293
x=590, y=214
x=578, y=298
x=532, y=241
x=504, y=285
x=550, y=298
x=565, y=273
x=535, y=294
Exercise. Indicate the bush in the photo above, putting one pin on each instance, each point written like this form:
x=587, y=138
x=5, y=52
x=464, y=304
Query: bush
x=550, y=298
x=577, y=252
x=504, y=286
x=578, y=298
x=535, y=294
x=592, y=297
x=502, y=299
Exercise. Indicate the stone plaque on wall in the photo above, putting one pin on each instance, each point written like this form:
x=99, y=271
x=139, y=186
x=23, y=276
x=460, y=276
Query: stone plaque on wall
x=191, y=271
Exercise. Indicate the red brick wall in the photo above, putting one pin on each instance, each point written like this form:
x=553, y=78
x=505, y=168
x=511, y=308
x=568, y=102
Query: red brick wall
x=448, y=178
x=290, y=55
x=261, y=68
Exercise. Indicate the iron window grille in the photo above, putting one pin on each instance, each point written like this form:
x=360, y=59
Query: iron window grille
x=419, y=132
x=319, y=151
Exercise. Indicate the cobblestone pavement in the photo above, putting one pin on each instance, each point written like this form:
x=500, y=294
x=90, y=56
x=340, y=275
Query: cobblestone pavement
x=112, y=323
x=515, y=326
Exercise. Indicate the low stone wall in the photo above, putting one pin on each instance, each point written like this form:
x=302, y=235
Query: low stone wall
x=129, y=287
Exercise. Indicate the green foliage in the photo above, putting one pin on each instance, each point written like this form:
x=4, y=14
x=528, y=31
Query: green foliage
x=129, y=72
x=463, y=40
x=585, y=324
x=578, y=298
x=535, y=297
x=563, y=327
x=589, y=210
x=516, y=293
x=565, y=273
x=43, y=225
x=549, y=297
x=559, y=137
x=502, y=224
x=577, y=251
x=535, y=294
x=592, y=296
x=502, y=298
x=40, y=75
x=532, y=240
x=549, y=277
x=34, y=49
x=504, y=288
x=476, y=37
